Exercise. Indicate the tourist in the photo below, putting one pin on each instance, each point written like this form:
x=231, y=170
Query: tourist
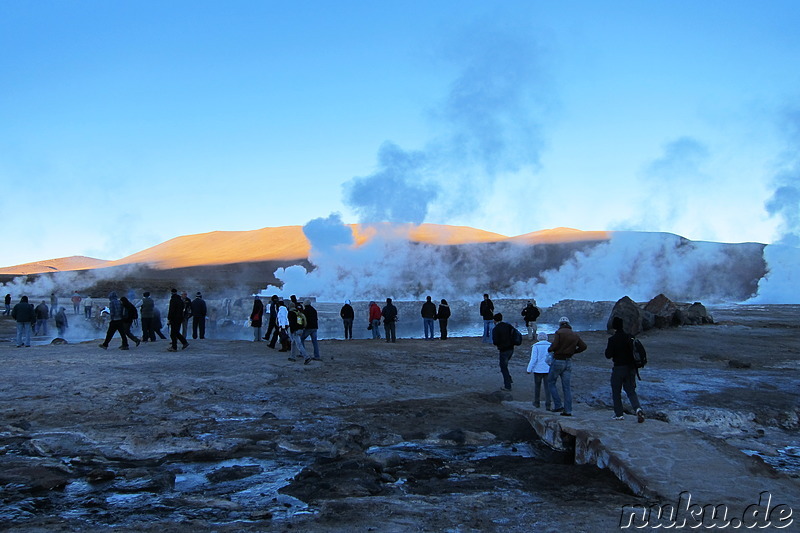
x=443, y=314
x=175, y=321
x=25, y=315
x=129, y=316
x=503, y=336
x=272, y=325
x=348, y=315
x=487, y=314
x=158, y=324
x=148, y=313
x=256, y=316
x=297, y=322
x=61, y=322
x=42, y=314
x=53, y=304
x=312, y=325
x=428, y=313
x=375, y=320
x=87, y=307
x=187, y=313
x=530, y=313
x=623, y=374
x=76, y=302
x=566, y=343
x=283, y=327
x=7, y=310
x=389, y=314
x=199, y=313
x=116, y=323
x=539, y=366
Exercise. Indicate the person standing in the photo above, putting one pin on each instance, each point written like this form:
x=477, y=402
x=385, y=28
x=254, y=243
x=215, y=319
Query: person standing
x=312, y=325
x=487, y=314
x=375, y=320
x=503, y=336
x=8, y=305
x=116, y=323
x=348, y=315
x=443, y=314
x=187, y=313
x=76, y=302
x=297, y=322
x=53, y=304
x=530, y=313
x=283, y=327
x=148, y=314
x=272, y=326
x=175, y=322
x=25, y=316
x=256, y=317
x=87, y=306
x=389, y=313
x=42, y=314
x=199, y=313
x=623, y=374
x=61, y=322
x=540, y=369
x=566, y=343
x=428, y=313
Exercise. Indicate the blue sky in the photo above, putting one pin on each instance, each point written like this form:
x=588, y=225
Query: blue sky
x=124, y=124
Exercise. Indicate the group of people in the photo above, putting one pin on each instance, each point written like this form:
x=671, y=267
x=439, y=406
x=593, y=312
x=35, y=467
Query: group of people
x=551, y=362
x=290, y=324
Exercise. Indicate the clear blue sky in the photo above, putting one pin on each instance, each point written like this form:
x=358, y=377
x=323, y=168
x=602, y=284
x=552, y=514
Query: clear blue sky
x=124, y=124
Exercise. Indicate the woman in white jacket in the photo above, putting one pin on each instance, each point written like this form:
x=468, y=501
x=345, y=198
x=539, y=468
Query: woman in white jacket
x=540, y=367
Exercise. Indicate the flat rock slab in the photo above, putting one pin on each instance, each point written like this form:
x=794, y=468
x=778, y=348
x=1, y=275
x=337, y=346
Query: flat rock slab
x=663, y=461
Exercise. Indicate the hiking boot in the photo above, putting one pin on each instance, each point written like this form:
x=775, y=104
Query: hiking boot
x=171, y=349
x=639, y=415
x=292, y=358
x=103, y=346
x=537, y=405
x=566, y=414
x=620, y=417
x=138, y=342
x=557, y=410
x=124, y=347
x=185, y=346
x=307, y=361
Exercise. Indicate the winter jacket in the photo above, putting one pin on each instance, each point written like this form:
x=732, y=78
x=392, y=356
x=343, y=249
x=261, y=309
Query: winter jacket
x=537, y=363
x=374, y=312
x=620, y=349
x=114, y=307
x=566, y=343
x=23, y=312
x=148, y=307
x=42, y=312
x=487, y=310
x=199, y=308
x=175, y=311
x=428, y=310
x=312, y=319
x=444, y=312
x=530, y=313
x=257, y=314
x=389, y=313
x=283, y=316
x=502, y=336
x=347, y=312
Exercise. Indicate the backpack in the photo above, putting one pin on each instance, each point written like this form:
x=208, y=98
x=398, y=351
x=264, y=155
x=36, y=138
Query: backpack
x=516, y=336
x=639, y=353
x=301, y=319
x=535, y=313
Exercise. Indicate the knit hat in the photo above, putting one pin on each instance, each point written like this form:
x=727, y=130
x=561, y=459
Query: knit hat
x=542, y=336
x=563, y=320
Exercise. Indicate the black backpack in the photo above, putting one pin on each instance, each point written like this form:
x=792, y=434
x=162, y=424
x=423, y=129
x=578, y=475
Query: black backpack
x=516, y=336
x=639, y=353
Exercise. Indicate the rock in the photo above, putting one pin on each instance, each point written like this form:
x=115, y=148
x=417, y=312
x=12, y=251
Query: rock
x=59, y=340
x=632, y=316
x=231, y=473
x=34, y=478
x=665, y=312
x=99, y=475
x=696, y=314
x=734, y=363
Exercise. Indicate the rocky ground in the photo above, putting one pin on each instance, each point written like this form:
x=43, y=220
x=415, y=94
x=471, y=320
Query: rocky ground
x=231, y=436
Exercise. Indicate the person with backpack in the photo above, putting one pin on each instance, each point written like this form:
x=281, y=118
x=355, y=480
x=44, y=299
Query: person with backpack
x=256, y=317
x=389, y=314
x=297, y=323
x=620, y=350
x=129, y=316
x=505, y=337
x=566, y=343
x=312, y=325
x=530, y=313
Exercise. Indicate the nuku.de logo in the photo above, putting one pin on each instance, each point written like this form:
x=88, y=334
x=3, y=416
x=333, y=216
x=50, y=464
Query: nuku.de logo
x=709, y=516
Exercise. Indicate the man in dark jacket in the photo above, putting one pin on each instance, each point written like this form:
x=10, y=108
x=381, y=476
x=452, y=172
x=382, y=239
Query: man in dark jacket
x=566, y=343
x=389, y=313
x=428, y=315
x=530, y=313
x=42, y=314
x=175, y=315
x=199, y=312
x=25, y=316
x=443, y=314
x=312, y=325
x=296, y=326
x=272, y=327
x=148, y=313
x=348, y=314
x=503, y=338
x=487, y=314
x=623, y=374
x=116, y=322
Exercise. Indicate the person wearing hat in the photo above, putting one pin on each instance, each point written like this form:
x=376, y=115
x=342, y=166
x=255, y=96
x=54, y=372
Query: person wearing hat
x=540, y=368
x=566, y=343
x=199, y=312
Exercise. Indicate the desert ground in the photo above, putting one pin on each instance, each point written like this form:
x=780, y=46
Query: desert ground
x=229, y=435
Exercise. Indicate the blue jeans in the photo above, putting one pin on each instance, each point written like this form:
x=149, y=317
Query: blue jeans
x=623, y=377
x=488, y=326
x=504, y=358
x=297, y=344
x=562, y=369
x=376, y=332
x=348, y=328
x=23, y=334
x=313, y=334
x=389, y=328
x=427, y=324
x=41, y=326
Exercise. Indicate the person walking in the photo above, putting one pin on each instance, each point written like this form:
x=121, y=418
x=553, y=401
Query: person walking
x=116, y=323
x=25, y=316
x=187, y=313
x=272, y=325
x=428, y=313
x=540, y=368
x=487, y=314
x=530, y=313
x=199, y=313
x=348, y=315
x=566, y=343
x=443, y=314
x=129, y=316
x=283, y=327
x=389, y=313
x=7, y=302
x=148, y=313
x=505, y=337
x=158, y=324
x=297, y=322
x=623, y=373
x=375, y=320
x=175, y=314
x=42, y=315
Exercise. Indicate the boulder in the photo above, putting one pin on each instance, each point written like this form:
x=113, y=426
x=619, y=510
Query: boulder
x=697, y=314
x=665, y=313
x=633, y=316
